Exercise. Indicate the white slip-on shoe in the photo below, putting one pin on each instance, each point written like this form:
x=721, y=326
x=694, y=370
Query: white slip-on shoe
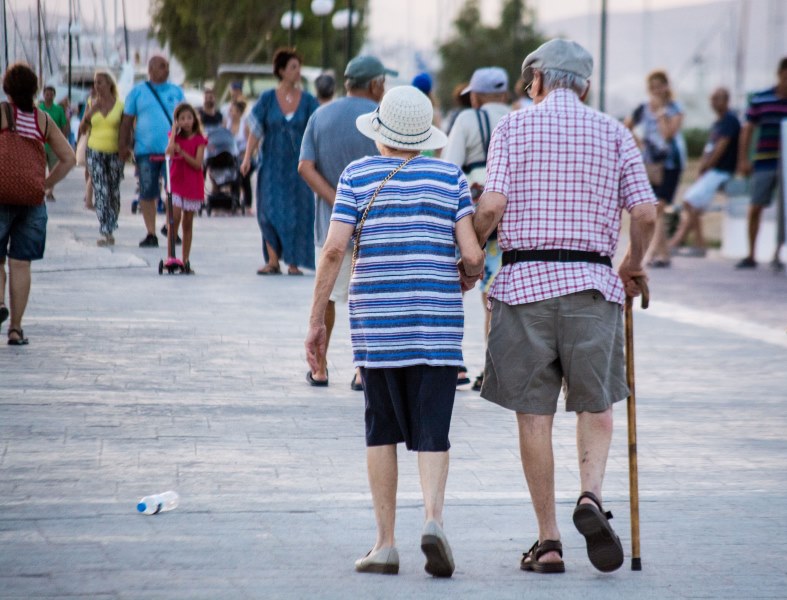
x=385, y=561
x=439, y=559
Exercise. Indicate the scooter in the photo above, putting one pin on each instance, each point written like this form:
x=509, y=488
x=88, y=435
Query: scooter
x=172, y=264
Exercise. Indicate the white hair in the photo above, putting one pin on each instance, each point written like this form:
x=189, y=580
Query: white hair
x=354, y=84
x=553, y=79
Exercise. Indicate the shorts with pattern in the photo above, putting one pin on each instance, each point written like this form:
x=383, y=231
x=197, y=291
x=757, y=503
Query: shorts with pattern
x=574, y=340
x=150, y=169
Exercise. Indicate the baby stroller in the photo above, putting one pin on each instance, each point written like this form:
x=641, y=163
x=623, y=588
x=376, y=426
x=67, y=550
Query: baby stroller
x=223, y=174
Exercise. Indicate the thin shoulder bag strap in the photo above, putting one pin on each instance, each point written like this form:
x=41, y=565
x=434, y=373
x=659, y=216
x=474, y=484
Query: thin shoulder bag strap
x=388, y=177
x=486, y=133
x=160, y=103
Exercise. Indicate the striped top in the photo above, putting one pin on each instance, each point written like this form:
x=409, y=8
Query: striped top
x=27, y=124
x=767, y=110
x=405, y=298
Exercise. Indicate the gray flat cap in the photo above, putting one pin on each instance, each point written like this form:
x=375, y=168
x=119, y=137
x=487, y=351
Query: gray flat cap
x=558, y=54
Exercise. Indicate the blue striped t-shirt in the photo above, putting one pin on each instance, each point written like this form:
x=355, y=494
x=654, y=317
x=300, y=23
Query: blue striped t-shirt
x=405, y=298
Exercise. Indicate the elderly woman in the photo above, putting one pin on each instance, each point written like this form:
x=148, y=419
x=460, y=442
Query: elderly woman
x=657, y=123
x=101, y=123
x=285, y=204
x=23, y=221
x=407, y=213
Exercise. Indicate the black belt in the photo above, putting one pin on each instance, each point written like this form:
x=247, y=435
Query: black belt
x=514, y=256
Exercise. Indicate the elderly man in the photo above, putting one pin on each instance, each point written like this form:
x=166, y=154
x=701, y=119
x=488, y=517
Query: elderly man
x=330, y=143
x=558, y=175
x=150, y=106
x=468, y=145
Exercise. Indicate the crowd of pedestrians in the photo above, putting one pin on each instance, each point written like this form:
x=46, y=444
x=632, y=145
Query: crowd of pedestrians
x=404, y=218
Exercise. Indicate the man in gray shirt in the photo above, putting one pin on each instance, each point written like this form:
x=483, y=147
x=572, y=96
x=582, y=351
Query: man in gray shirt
x=330, y=143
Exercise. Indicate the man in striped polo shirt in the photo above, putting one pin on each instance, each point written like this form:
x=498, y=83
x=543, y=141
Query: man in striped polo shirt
x=558, y=175
x=766, y=111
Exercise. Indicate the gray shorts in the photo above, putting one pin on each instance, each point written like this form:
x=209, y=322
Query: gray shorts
x=534, y=348
x=763, y=185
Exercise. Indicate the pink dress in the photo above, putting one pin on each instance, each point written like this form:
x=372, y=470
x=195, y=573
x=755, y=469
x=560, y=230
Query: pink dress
x=187, y=182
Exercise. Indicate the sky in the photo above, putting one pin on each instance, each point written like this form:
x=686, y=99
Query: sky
x=391, y=21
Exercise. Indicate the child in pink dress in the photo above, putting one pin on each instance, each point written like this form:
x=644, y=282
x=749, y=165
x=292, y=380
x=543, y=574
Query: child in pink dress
x=187, y=149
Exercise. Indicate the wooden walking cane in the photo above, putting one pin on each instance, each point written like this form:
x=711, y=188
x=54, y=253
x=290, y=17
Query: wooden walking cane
x=636, y=562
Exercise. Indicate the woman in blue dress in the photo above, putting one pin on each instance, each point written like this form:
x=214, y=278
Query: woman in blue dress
x=285, y=204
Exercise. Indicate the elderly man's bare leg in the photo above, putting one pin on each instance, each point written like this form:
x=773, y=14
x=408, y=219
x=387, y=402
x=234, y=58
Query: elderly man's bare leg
x=538, y=463
x=594, y=436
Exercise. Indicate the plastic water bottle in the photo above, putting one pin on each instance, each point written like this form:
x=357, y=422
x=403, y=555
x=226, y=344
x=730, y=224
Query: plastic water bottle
x=157, y=503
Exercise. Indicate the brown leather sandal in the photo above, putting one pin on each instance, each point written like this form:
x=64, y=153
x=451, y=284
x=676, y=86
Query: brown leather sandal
x=603, y=545
x=530, y=559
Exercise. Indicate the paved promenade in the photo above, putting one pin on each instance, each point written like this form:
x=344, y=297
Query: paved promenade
x=135, y=383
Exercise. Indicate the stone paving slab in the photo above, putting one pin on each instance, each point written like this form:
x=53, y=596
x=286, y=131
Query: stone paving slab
x=136, y=383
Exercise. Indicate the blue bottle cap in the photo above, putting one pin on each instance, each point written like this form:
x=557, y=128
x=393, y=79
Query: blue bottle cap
x=142, y=507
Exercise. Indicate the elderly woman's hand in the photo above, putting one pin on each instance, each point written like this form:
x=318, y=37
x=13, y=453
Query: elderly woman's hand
x=316, y=345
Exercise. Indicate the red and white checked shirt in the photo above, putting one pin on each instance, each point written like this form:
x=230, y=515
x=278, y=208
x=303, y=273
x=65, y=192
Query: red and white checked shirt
x=567, y=171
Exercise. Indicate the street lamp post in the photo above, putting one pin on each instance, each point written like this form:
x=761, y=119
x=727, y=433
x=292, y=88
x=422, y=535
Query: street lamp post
x=602, y=75
x=344, y=19
x=322, y=8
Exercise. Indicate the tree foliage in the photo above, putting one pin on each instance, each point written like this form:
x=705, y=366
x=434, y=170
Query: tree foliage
x=475, y=45
x=202, y=34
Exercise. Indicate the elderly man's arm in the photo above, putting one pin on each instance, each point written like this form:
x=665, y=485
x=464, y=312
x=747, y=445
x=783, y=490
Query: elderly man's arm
x=489, y=211
x=641, y=229
x=339, y=235
x=318, y=184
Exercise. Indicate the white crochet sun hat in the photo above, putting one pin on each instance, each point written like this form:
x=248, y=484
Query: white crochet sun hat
x=403, y=121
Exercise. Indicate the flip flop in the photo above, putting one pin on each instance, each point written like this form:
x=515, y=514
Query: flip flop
x=316, y=382
x=22, y=341
x=603, y=545
x=530, y=558
x=3, y=312
x=269, y=271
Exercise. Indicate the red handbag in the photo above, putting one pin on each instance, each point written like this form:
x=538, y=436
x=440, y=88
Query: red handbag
x=22, y=166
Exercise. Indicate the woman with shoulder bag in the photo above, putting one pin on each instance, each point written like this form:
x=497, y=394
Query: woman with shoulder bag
x=657, y=124
x=23, y=131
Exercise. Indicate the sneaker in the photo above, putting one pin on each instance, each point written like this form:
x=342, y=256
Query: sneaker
x=746, y=263
x=150, y=241
x=777, y=266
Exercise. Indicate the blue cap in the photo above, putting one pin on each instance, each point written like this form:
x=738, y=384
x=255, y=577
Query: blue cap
x=142, y=507
x=423, y=82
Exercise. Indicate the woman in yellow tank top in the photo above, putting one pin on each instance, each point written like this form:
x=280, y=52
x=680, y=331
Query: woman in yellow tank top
x=102, y=121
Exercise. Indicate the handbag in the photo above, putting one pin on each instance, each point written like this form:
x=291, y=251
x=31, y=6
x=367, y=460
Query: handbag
x=82, y=150
x=22, y=165
x=357, y=244
x=655, y=173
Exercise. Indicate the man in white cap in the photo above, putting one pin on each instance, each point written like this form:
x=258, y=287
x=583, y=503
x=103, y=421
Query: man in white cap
x=468, y=145
x=330, y=143
x=558, y=175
